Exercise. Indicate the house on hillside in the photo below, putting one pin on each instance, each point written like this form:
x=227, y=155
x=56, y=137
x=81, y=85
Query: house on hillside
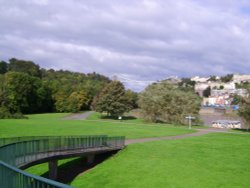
x=221, y=92
x=226, y=124
x=222, y=100
x=198, y=79
x=237, y=78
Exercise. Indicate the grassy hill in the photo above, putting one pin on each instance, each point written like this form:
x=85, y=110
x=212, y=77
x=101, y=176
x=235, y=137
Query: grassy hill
x=54, y=124
x=214, y=160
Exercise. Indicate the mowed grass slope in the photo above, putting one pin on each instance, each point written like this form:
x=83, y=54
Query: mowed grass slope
x=54, y=124
x=213, y=160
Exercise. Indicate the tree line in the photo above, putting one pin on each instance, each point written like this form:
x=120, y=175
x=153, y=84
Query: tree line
x=26, y=88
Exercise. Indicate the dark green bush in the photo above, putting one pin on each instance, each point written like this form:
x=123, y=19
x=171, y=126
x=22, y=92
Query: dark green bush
x=5, y=114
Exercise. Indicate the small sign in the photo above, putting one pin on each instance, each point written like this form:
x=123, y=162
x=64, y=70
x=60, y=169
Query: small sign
x=190, y=120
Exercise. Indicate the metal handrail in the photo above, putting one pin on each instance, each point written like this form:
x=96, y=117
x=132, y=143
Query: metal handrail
x=10, y=140
x=15, y=152
x=16, y=178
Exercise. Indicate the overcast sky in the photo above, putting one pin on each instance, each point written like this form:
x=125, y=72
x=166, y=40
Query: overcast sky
x=143, y=40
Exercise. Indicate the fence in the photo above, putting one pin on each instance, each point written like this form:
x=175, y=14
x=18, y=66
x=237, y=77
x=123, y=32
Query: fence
x=15, y=152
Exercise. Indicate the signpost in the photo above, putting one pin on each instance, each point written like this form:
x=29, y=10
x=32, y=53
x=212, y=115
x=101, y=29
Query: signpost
x=189, y=121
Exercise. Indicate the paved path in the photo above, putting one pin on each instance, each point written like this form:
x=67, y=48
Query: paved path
x=79, y=116
x=199, y=133
x=83, y=116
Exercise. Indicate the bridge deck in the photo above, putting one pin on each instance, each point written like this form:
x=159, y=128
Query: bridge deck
x=58, y=155
x=23, y=152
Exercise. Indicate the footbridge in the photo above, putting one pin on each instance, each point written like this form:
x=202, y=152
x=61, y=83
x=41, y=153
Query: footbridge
x=22, y=152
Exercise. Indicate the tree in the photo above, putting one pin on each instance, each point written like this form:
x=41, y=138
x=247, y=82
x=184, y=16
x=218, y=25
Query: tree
x=227, y=78
x=26, y=88
x=3, y=67
x=44, y=100
x=167, y=103
x=19, y=93
x=28, y=67
x=221, y=87
x=21, y=90
x=244, y=85
x=132, y=98
x=5, y=102
x=112, y=100
x=66, y=82
x=244, y=112
x=207, y=92
x=4, y=111
x=213, y=78
x=187, y=82
x=61, y=102
x=77, y=101
x=3, y=94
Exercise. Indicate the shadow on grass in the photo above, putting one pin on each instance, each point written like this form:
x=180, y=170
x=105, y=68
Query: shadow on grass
x=68, y=171
x=116, y=118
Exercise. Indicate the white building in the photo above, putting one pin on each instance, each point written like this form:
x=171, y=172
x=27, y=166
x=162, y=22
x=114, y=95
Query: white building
x=229, y=86
x=215, y=86
x=223, y=100
x=226, y=124
x=237, y=78
x=200, y=79
x=222, y=92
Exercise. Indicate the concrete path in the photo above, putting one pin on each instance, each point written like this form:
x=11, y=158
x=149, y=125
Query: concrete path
x=79, y=116
x=140, y=140
x=84, y=115
x=199, y=133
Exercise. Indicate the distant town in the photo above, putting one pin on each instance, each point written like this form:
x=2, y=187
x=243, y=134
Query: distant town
x=221, y=98
x=220, y=92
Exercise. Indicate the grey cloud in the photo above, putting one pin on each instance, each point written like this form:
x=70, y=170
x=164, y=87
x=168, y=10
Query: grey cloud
x=145, y=40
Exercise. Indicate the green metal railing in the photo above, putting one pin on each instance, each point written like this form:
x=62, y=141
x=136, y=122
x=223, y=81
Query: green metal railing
x=16, y=152
x=10, y=140
x=12, y=177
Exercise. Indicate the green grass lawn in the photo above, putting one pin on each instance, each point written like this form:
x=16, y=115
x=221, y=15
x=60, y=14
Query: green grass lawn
x=214, y=160
x=53, y=124
x=126, y=119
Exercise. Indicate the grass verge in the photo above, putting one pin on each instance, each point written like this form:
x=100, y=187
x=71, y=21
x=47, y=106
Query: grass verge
x=53, y=124
x=214, y=160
